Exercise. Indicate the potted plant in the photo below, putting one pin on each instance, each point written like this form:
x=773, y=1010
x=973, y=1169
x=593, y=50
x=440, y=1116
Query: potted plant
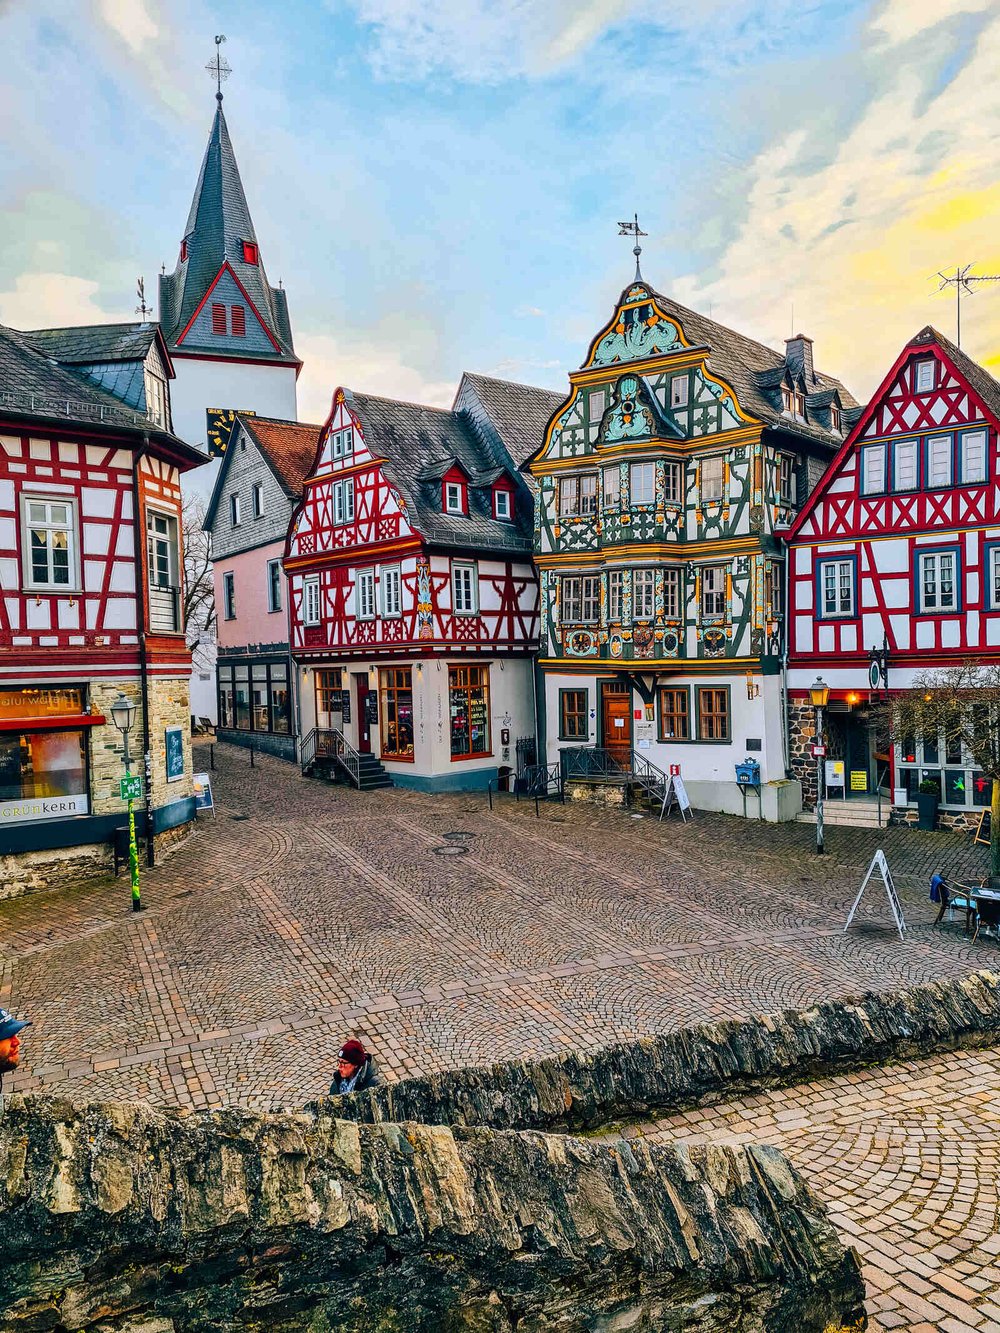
x=928, y=798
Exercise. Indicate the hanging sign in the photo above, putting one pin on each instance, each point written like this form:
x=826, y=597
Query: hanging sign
x=819, y=751
x=880, y=864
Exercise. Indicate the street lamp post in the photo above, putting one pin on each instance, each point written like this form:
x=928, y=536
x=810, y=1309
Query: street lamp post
x=123, y=714
x=819, y=693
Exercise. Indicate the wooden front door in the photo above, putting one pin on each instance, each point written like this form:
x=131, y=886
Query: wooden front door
x=617, y=721
x=364, y=726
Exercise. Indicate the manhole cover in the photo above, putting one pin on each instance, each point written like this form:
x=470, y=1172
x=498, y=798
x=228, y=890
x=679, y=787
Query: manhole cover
x=452, y=849
x=459, y=833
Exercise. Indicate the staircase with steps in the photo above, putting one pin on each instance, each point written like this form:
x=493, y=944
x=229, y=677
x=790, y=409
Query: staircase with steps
x=371, y=774
x=329, y=756
x=850, y=814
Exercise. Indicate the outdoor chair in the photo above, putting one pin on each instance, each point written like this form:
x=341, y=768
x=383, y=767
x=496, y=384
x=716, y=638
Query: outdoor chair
x=953, y=900
x=988, y=915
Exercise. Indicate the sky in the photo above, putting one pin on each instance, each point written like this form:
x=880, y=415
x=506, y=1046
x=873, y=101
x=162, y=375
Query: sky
x=438, y=184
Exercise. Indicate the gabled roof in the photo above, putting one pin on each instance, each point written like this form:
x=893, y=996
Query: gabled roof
x=87, y=344
x=288, y=448
x=33, y=386
x=980, y=381
x=218, y=224
x=518, y=413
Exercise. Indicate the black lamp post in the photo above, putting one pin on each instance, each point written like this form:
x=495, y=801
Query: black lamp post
x=819, y=694
x=123, y=715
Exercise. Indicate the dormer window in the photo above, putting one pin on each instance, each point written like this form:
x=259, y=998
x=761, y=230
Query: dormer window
x=835, y=419
x=798, y=403
x=250, y=252
x=454, y=497
x=501, y=504
x=184, y=251
x=923, y=376
x=786, y=397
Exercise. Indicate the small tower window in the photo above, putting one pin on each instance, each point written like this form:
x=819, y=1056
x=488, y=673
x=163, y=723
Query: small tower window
x=184, y=250
x=250, y=252
x=219, y=319
x=835, y=417
x=238, y=318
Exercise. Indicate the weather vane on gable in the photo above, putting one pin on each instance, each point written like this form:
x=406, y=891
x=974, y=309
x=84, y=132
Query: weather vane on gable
x=219, y=68
x=142, y=308
x=633, y=229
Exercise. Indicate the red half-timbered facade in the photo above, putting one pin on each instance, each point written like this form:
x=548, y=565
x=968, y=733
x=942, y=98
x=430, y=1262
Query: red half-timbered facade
x=412, y=597
x=91, y=606
x=898, y=551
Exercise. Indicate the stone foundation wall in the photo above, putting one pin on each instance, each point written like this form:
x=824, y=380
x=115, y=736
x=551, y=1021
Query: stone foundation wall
x=600, y=793
x=63, y=867
x=801, y=737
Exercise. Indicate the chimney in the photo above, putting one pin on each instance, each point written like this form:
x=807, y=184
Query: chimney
x=799, y=358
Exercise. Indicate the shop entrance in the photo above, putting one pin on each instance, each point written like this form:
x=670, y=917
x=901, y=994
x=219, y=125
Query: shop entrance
x=616, y=720
x=361, y=689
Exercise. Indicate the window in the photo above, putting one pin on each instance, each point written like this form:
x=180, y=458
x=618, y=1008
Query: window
x=574, y=723
x=37, y=767
x=50, y=544
x=994, y=578
x=923, y=377
x=612, y=487
x=835, y=418
x=164, y=573
x=643, y=594
x=329, y=698
x=343, y=501
x=463, y=589
x=713, y=713
x=905, y=465
x=773, y=591
x=939, y=460
x=241, y=698
x=972, y=456
x=226, y=714
x=229, y=596
x=580, y=599
x=396, y=689
x=673, y=482
x=238, y=321
x=578, y=495
x=454, y=499
x=257, y=499
x=250, y=252
x=786, y=479
x=156, y=399
x=873, y=469
x=390, y=581
x=713, y=590
x=937, y=587
x=342, y=443
x=310, y=599
x=595, y=406
x=258, y=697
x=588, y=493
x=234, y=510
x=501, y=504
x=674, y=720
x=798, y=403
x=836, y=588
x=184, y=251
x=366, y=594
x=469, y=711
x=642, y=483
x=786, y=397
x=679, y=391
x=219, y=319
x=672, y=594
x=280, y=698
x=274, y=585
x=615, y=594
x=712, y=478
x=569, y=490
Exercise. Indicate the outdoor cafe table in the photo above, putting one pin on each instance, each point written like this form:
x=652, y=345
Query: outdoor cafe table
x=972, y=893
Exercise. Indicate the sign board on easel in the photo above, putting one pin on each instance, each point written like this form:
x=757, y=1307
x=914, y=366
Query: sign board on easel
x=676, y=797
x=203, y=799
x=880, y=864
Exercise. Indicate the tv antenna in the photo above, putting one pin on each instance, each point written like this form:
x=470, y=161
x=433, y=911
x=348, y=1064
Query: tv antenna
x=633, y=229
x=962, y=281
x=142, y=308
x=219, y=68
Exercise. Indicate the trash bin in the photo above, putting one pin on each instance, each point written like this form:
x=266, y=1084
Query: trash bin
x=120, y=846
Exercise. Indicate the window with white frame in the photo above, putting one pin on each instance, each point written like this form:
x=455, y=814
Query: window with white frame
x=672, y=593
x=679, y=391
x=786, y=479
x=454, y=500
x=229, y=596
x=578, y=495
x=501, y=503
x=342, y=443
x=993, y=574
x=940, y=449
x=389, y=579
x=923, y=378
x=642, y=483
x=366, y=594
x=463, y=588
x=937, y=585
x=786, y=397
x=906, y=465
x=595, y=406
x=612, y=487
x=162, y=559
x=873, y=469
x=274, y=585
x=972, y=455
x=581, y=596
x=310, y=599
x=234, y=510
x=713, y=474
x=836, y=588
x=156, y=398
x=615, y=594
x=713, y=590
x=257, y=499
x=343, y=501
x=50, y=543
x=673, y=482
x=798, y=403
x=643, y=594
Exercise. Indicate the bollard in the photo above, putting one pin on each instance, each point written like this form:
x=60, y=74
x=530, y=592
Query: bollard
x=251, y=755
x=211, y=756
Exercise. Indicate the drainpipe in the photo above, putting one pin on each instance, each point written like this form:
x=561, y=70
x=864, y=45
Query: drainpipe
x=786, y=630
x=141, y=578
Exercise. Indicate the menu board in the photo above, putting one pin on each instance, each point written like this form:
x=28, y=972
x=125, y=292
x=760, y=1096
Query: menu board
x=174, y=747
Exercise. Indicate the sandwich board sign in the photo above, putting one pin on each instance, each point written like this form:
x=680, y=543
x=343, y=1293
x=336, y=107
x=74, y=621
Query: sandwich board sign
x=203, y=799
x=880, y=864
x=676, y=795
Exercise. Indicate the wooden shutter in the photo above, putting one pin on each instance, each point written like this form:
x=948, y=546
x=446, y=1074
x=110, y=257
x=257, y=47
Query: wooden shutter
x=219, y=319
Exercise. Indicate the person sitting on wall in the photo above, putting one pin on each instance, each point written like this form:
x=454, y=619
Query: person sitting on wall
x=10, y=1041
x=355, y=1070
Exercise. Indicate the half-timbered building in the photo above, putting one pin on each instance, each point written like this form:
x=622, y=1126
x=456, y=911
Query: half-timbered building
x=665, y=477
x=414, y=604
x=898, y=551
x=90, y=607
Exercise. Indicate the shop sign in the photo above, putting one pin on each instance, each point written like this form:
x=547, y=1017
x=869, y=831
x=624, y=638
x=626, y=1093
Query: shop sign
x=29, y=703
x=43, y=807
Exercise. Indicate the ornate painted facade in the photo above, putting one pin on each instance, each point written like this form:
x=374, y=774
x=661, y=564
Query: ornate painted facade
x=679, y=455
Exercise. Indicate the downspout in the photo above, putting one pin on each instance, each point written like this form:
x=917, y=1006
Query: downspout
x=785, y=630
x=140, y=612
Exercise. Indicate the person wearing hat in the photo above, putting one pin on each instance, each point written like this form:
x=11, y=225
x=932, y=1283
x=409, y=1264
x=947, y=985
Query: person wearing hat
x=10, y=1041
x=355, y=1070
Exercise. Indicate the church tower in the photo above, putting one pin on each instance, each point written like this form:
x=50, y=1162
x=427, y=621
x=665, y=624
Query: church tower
x=227, y=329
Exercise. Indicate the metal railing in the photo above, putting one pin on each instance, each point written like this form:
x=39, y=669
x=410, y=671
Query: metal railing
x=54, y=405
x=331, y=744
x=347, y=757
x=538, y=782
x=581, y=761
x=651, y=779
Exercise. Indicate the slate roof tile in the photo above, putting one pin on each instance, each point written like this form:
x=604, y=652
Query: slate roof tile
x=89, y=343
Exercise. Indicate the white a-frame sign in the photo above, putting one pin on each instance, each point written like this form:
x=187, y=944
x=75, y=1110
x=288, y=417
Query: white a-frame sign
x=879, y=863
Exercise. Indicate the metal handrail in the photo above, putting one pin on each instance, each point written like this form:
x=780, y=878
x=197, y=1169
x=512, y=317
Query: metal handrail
x=307, y=750
x=54, y=405
x=347, y=757
x=581, y=761
x=653, y=780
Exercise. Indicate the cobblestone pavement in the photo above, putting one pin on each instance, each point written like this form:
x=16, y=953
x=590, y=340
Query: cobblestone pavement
x=907, y=1158
x=306, y=913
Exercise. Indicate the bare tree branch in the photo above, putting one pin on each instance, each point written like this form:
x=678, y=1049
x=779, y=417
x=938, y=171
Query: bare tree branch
x=199, y=590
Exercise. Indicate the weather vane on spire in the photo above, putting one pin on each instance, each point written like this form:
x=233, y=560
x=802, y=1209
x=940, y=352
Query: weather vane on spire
x=219, y=68
x=633, y=229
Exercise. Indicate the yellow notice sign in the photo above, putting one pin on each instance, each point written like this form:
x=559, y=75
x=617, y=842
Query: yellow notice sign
x=859, y=779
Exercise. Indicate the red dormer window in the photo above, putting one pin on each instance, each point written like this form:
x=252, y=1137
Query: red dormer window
x=454, y=497
x=502, y=503
x=250, y=252
x=238, y=321
x=184, y=251
x=219, y=324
